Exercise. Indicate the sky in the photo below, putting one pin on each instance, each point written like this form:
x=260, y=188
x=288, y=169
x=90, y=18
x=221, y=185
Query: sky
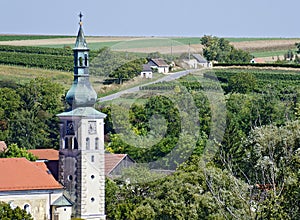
x=191, y=18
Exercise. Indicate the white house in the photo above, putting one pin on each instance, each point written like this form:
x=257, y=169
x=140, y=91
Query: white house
x=160, y=65
x=202, y=61
x=147, y=72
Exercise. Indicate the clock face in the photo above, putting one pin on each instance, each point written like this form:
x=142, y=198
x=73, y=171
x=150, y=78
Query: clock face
x=92, y=127
x=70, y=128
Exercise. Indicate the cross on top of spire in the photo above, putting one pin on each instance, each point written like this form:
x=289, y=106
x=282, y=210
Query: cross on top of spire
x=80, y=16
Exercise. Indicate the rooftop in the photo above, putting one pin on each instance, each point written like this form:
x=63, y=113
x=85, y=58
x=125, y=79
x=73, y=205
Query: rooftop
x=20, y=174
x=199, y=58
x=159, y=62
x=45, y=154
x=112, y=161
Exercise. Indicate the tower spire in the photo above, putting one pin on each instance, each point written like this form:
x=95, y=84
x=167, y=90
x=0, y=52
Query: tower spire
x=81, y=94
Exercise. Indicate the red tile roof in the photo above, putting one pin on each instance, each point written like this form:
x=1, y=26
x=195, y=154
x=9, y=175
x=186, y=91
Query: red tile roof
x=160, y=62
x=111, y=161
x=21, y=174
x=2, y=146
x=45, y=154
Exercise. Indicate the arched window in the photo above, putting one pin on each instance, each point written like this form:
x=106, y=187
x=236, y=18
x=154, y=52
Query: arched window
x=70, y=143
x=96, y=143
x=85, y=59
x=92, y=158
x=66, y=143
x=87, y=143
x=80, y=61
x=75, y=143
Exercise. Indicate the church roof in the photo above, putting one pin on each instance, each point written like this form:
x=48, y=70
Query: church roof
x=80, y=40
x=20, y=174
x=88, y=112
x=45, y=154
x=62, y=201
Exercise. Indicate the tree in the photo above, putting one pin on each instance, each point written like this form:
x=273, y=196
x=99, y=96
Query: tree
x=195, y=191
x=14, y=151
x=10, y=102
x=272, y=160
x=128, y=70
x=28, y=130
x=7, y=213
x=220, y=50
x=34, y=123
x=242, y=82
x=298, y=47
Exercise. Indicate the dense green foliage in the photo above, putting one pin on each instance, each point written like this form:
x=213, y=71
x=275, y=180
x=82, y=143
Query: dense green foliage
x=28, y=114
x=14, y=151
x=255, y=171
x=116, y=66
x=196, y=191
x=7, y=213
x=219, y=49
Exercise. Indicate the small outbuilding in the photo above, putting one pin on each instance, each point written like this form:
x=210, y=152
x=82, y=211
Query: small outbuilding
x=147, y=71
x=202, y=61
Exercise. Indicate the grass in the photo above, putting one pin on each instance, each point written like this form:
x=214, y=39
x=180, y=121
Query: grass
x=28, y=37
x=187, y=40
x=136, y=43
x=92, y=46
x=22, y=75
x=272, y=53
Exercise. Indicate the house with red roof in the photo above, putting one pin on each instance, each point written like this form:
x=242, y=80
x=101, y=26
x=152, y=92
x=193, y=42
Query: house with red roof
x=115, y=163
x=31, y=186
x=159, y=64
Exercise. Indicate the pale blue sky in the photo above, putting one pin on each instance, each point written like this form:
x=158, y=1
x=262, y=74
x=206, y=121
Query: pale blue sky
x=224, y=18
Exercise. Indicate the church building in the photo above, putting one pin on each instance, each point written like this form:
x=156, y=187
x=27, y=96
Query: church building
x=81, y=153
x=80, y=189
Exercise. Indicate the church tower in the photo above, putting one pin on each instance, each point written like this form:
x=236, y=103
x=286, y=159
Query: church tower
x=81, y=153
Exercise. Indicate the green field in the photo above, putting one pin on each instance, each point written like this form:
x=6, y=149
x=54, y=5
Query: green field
x=29, y=37
x=270, y=53
x=22, y=75
x=92, y=46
